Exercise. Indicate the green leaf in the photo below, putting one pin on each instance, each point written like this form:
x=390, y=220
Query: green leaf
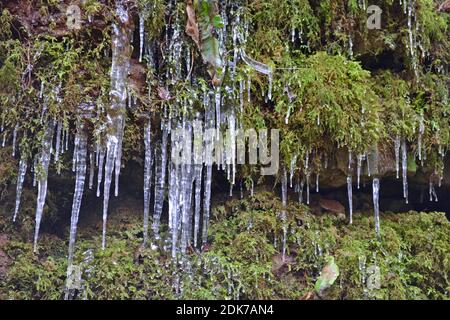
x=328, y=275
x=210, y=52
x=217, y=21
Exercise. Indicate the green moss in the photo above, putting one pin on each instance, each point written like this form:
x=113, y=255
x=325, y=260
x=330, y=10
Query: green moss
x=242, y=261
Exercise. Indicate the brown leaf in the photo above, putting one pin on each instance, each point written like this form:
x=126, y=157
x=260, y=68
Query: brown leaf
x=307, y=296
x=191, y=24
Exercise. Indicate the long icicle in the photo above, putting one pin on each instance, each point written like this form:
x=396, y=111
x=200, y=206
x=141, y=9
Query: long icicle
x=121, y=52
x=20, y=180
x=350, y=198
x=405, y=170
x=160, y=182
x=44, y=161
x=80, y=178
x=283, y=216
x=198, y=196
x=147, y=177
x=376, y=206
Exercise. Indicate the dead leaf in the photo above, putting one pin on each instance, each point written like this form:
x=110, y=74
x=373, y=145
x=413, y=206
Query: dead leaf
x=191, y=24
x=307, y=296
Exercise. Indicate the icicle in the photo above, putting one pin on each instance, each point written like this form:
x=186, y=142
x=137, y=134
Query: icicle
x=14, y=140
x=44, y=161
x=185, y=205
x=19, y=187
x=78, y=195
x=291, y=169
x=147, y=177
x=235, y=49
x=141, y=35
x=109, y=168
x=118, y=157
x=358, y=169
x=67, y=139
x=173, y=204
x=186, y=188
x=160, y=179
x=433, y=193
x=75, y=150
x=376, y=208
x=249, y=88
x=62, y=140
x=307, y=162
x=317, y=182
x=91, y=169
x=241, y=95
x=269, y=93
x=307, y=188
x=121, y=52
x=58, y=144
x=34, y=169
x=100, y=169
x=260, y=67
x=350, y=46
x=291, y=97
x=208, y=159
x=411, y=44
x=405, y=170
x=283, y=212
x=419, y=142
x=301, y=185
x=397, y=154
x=41, y=91
x=350, y=160
x=218, y=98
x=206, y=203
x=198, y=197
x=350, y=198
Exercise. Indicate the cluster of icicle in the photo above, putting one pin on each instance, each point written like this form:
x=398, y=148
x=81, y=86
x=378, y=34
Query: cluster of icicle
x=370, y=159
x=414, y=44
x=188, y=185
